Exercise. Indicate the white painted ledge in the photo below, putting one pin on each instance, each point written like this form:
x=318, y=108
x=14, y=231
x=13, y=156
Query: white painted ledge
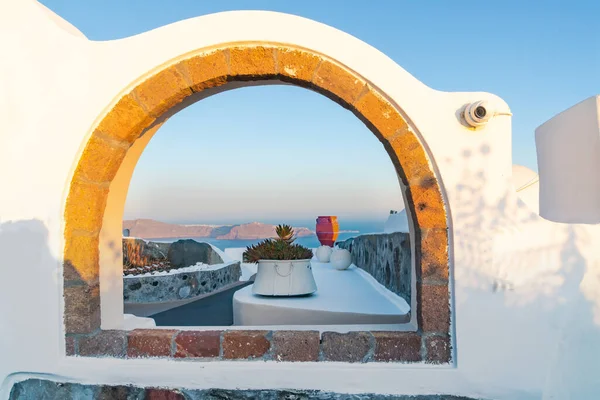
x=132, y=322
x=350, y=297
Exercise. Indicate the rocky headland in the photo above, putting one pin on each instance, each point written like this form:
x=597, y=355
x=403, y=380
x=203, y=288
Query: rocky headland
x=151, y=229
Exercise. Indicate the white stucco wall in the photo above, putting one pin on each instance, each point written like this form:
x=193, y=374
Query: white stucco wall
x=527, y=184
x=526, y=290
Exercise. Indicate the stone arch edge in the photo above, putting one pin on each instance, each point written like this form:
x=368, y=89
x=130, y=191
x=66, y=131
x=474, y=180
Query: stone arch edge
x=165, y=87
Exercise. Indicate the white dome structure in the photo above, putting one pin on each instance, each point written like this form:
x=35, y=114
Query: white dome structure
x=397, y=223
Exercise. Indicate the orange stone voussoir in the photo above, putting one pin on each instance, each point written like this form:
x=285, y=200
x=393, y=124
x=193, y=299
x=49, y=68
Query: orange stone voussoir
x=378, y=112
x=297, y=64
x=428, y=206
x=434, y=255
x=81, y=257
x=411, y=158
x=339, y=81
x=162, y=91
x=102, y=159
x=126, y=120
x=206, y=70
x=252, y=61
x=85, y=206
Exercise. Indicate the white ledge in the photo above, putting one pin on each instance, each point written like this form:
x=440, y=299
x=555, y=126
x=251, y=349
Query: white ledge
x=350, y=297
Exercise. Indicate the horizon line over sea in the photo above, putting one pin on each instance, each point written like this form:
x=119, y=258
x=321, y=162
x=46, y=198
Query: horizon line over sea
x=356, y=228
x=362, y=226
x=308, y=241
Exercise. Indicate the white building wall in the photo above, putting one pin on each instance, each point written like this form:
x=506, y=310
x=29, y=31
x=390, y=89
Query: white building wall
x=526, y=290
x=568, y=149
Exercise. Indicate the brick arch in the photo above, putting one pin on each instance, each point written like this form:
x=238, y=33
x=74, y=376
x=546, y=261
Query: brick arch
x=167, y=90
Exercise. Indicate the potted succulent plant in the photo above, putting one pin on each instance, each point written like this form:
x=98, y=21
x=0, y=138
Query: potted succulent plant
x=283, y=267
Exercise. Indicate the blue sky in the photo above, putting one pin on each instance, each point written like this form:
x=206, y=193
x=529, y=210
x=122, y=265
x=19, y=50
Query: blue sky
x=298, y=154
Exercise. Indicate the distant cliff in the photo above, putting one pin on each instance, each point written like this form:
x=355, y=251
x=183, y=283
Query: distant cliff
x=257, y=230
x=151, y=229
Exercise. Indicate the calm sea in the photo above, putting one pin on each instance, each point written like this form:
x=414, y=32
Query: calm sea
x=308, y=241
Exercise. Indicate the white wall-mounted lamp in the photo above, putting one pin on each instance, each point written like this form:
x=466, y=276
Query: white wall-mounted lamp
x=478, y=114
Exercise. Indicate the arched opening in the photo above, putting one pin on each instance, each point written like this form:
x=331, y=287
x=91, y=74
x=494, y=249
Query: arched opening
x=223, y=172
x=276, y=153
x=94, y=207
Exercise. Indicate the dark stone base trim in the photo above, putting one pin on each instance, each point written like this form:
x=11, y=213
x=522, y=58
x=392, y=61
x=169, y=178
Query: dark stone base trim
x=31, y=389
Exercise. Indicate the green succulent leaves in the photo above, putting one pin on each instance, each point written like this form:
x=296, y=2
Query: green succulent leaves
x=280, y=248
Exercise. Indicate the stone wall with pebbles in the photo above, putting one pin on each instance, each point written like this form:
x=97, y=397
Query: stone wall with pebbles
x=178, y=286
x=161, y=286
x=31, y=389
x=387, y=257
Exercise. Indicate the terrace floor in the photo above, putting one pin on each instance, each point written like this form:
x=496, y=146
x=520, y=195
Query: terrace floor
x=349, y=297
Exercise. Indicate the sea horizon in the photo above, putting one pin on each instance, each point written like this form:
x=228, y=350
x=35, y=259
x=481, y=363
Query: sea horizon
x=353, y=228
x=308, y=241
x=360, y=225
x=348, y=229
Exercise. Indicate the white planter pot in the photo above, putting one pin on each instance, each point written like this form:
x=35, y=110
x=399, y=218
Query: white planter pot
x=284, y=278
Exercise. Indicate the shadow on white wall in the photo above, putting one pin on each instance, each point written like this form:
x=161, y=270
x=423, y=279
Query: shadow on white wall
x=517, y=272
